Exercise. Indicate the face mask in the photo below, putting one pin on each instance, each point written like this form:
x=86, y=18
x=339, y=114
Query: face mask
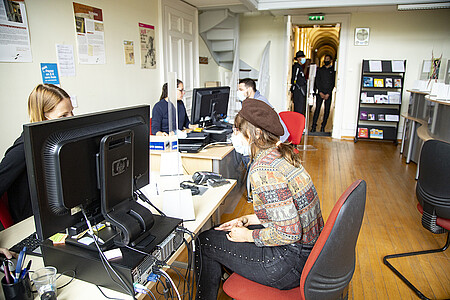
x=240, y=144
x=240, y=95
x=302, y=60
x=327, y=62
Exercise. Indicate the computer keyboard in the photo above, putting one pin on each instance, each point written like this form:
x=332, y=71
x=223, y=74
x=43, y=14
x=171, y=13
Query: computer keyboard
x=32, y=243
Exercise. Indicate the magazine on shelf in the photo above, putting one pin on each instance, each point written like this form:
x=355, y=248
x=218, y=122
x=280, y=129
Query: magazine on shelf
x=371, y=117
x=378, y=82
x=398, y=82
x=393, y=97
x=368, y=81
x=380, y=117
x=388, y=82
x=376, y=133
x=391, y=118
x=363, y=115
x=381, y=99
x=363, y=132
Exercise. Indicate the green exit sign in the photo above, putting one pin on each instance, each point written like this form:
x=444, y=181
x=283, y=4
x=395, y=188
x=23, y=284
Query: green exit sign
x=316, y=18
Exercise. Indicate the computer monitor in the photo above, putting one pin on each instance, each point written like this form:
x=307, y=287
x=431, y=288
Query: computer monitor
x=209, y=105
x=74, y=162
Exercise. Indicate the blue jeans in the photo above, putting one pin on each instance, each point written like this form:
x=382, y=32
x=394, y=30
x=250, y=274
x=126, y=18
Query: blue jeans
x=278, y=267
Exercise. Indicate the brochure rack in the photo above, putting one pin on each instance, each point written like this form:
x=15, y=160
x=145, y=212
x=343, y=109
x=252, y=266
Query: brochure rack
x=380, y=99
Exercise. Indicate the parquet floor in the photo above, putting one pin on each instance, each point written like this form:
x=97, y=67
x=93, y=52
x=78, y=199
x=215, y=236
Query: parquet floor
x=391, y=223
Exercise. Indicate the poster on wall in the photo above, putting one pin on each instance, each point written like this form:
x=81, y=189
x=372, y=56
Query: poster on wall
x=128, y=48
x=49, y=73
x=66, y=62
x=90, y=34
x=148, y=52
x=15, y=36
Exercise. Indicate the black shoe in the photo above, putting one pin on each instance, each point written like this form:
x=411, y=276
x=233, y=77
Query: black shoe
x=322, y=129
x=313, y=129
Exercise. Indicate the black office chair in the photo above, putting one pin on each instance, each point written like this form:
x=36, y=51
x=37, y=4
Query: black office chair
x=433, y=193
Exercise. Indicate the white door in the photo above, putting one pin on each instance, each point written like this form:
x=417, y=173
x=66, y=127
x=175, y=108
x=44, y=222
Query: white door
x=180, y=39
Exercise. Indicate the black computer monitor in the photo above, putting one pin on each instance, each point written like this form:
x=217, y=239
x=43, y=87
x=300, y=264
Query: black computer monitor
x=73, y=162
x=209, y=105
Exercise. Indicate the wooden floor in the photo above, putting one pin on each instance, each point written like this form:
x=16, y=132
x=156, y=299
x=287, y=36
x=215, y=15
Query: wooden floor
x=391, y=223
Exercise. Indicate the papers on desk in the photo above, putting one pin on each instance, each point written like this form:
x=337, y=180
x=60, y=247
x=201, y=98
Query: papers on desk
x=170, y=163
x=179, y=204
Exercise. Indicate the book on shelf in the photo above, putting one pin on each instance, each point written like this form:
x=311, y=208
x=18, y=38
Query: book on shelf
x=363, y=132
x=380, y=117
x=391, y=118
x=381, y=99
x=371, y=117
x=388, y=82
x=363, y=115
x=378, y=82
x=398, y=82
x=366, y=99
x=376, y=133
x=393, y=97
x=367, y=81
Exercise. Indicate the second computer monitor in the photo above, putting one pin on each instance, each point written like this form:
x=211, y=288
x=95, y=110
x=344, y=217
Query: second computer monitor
x=209, y=105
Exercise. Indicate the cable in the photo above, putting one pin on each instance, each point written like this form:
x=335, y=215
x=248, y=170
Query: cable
x=144, y=198
x=71, y=279
x=104, y=295
x=171, y=281
x=139, y=288
x=104, y=260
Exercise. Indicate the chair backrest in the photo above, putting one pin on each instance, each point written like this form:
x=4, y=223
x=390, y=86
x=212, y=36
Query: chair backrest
x=295, y=123
x=433, y=185
x=5, y=217
x=331, y=264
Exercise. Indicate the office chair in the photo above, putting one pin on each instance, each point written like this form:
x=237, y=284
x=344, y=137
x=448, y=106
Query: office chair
x=330, y=266
x=5, y=217
x=295, y=123
x=433, y=194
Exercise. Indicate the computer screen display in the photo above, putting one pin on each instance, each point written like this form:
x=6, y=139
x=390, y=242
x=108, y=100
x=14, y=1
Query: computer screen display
x=64, y=168
x=209, y=105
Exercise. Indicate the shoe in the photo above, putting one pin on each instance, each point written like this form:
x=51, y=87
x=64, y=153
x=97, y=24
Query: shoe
x=313, y=129
x=322, y=129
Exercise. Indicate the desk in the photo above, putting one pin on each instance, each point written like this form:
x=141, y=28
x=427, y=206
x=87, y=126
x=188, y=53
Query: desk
x=204, y=206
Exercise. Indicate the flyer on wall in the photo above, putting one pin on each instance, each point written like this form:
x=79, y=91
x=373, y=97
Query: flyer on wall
x=15, y=36
x=90, y=34
x=148, y=52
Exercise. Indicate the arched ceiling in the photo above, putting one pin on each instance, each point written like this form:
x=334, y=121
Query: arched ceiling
x=317, y=41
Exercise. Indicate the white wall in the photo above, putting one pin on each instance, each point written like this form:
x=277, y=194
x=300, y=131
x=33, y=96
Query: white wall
x=410, y=35
x=255, y=32
x=209, y=72
x=97, y=87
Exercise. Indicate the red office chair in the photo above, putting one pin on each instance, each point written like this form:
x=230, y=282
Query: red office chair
x=330, y=265
x=295, y=123
x=5, y=217
x=433, y=194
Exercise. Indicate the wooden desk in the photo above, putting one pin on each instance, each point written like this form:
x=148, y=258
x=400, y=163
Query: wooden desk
x=204, y=206
x=208, y=159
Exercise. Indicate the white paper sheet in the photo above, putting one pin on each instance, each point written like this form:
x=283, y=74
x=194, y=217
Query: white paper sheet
x=398, y=66
x=179, y=204
x=170, y=163
x=66, y=62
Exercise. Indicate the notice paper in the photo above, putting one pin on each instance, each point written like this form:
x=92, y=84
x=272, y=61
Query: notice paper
x=170, y=163
x=14, y=32
x=398, y=66
x=66, y=62
x=374, y=65
x=179, y=204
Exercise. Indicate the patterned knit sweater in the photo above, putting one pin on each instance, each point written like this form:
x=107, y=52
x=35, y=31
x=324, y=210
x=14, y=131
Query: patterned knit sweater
x=285, y=201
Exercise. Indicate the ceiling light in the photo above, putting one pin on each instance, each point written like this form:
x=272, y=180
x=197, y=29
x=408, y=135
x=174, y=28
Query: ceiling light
x=423, y=6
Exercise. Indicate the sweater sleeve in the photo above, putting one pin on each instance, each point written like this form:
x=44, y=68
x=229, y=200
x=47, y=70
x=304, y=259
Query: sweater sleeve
x=11, y=166
x=274, y=206
x=156, y=119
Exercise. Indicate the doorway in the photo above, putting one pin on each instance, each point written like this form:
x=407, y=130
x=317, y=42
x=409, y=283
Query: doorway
x=318, y=41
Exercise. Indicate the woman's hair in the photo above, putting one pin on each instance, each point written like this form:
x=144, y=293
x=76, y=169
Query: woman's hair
x=164, y=93
x=43, y=99
x=262, y=139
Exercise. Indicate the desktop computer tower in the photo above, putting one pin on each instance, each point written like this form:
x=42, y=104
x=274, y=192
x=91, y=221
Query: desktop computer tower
x=132, y=267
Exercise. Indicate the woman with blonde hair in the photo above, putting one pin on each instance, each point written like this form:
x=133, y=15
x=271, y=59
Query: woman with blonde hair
x=46, y=102
x=272, y=245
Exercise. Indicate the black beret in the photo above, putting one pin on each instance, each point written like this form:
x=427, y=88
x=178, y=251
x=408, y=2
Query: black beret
x=261, y=115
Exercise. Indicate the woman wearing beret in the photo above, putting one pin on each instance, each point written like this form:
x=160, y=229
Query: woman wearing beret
x=271, y=246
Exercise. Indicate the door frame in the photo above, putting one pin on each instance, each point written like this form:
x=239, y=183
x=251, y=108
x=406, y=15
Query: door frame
x=344, y=37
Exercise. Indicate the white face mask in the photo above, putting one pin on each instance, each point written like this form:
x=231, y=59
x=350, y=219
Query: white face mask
x=240, y=95
x=240, y=144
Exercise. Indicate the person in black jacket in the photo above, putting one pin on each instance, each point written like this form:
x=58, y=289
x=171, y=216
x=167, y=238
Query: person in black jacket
x=45, y=102
x=298, y=83
x=324, y=84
